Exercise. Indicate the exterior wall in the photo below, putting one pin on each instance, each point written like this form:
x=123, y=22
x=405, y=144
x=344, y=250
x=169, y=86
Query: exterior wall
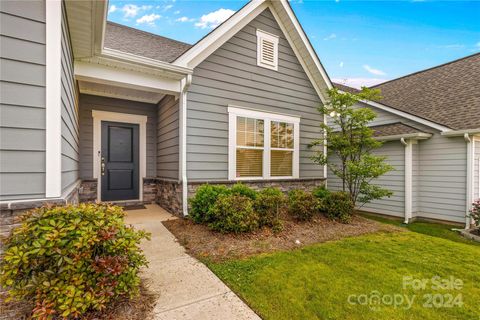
x=415, y=179
x=442, y=189
x=231, y=76
x=393, y=180
x=439, y=175
x=70, y=134
x=285, y=186
x=89, y=103
x=476, y=169
x=22, y=100
x=168, y=138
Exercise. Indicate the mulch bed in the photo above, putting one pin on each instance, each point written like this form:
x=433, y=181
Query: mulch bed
x=140, y=307
x=203, y=243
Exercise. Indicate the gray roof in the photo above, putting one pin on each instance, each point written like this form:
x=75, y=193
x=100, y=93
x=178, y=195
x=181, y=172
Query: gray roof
x=448, y=94
x=145, y=44
x=393, y=129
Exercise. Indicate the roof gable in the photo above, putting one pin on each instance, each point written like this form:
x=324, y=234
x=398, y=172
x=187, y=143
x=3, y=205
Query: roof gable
x=289, y=25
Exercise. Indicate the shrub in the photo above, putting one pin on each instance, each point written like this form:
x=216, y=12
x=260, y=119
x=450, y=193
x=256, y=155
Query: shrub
x=321, y=193
x=202, y=203
x=270, y=206
x=302, y=205
x=72, y=259
x=475, y=213
x=338, y=206
x=233, y=213
x=243, y=190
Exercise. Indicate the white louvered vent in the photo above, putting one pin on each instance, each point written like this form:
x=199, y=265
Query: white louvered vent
x=267, y=50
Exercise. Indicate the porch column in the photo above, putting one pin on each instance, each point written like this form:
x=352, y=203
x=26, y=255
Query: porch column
x=408, y=178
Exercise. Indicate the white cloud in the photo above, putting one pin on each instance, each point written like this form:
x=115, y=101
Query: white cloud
x=132, y=10
x=177, y=12
x=330, y=37
x=359, y=82
x=184, y=19
x=341, y=64
x=213, y=19
x=149, y=18
x=168, y=7
x=374, y=71
x=112, y=9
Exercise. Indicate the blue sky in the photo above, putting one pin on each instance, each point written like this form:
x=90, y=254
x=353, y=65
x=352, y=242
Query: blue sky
x=358, y=42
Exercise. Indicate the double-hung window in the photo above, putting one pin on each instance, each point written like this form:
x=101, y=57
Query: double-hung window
x=262, y=145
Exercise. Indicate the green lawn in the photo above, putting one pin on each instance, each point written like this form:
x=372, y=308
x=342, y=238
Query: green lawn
x=316, y=282
x=439, y=230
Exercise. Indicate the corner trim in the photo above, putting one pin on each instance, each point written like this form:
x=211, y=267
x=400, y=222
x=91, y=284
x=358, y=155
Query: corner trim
x=53, y=105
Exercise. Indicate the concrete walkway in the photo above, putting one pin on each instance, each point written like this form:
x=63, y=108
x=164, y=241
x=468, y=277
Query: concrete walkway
x=186, y=288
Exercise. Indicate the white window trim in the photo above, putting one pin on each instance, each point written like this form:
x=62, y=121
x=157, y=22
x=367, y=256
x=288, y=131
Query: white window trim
x=272, y=38
x=233, y=113
x=53, y=134
x=98, y=117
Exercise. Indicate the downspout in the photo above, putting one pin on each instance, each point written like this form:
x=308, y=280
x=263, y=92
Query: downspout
x=469, y=195
x=184, y=85
x=325, y=168
x=408, y=179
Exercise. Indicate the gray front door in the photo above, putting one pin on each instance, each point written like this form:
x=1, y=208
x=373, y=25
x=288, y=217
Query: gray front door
x=119, y=167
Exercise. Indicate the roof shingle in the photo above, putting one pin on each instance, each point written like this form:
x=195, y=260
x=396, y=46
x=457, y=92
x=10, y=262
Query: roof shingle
x=149, y=45
x=393, y=129
x=448, y=94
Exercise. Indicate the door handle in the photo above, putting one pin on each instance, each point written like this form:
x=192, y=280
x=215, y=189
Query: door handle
x=103, y=166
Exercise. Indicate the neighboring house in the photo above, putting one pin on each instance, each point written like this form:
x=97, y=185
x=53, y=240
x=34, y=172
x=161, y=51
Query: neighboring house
x=96, y=111
x=430, y=123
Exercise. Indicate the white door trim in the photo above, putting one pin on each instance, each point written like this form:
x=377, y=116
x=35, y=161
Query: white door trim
x=98, y=117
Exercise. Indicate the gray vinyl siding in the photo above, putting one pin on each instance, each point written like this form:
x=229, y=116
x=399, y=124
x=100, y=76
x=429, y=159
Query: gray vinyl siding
x=167, y=138
x=476, y=169
x=69, y=114
x=443, y=164
x=22, y=100
x=231, y=76
x=88, y=103
x=439, y=175
x=393, y=181
x=415, y=179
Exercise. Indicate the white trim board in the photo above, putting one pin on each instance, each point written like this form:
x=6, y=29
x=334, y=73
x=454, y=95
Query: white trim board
x=53, y=104
x=99, y=116
x=233, y=113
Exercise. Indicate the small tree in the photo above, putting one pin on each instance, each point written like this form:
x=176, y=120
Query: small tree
x=350, y=143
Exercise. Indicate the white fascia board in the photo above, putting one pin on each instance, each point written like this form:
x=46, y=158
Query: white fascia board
x=146, y=62
x=412, y=136
x=405, y=115
x=200, y=51
x=53, y=135
x=97, y=73
x=456, y=133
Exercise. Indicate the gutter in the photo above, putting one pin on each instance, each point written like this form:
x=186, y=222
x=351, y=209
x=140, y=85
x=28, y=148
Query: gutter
x=185, y=84
x=413, y=136
x=143, y=61
x=408, y=178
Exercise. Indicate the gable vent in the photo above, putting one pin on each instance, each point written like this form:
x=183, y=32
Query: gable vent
x=267, y=50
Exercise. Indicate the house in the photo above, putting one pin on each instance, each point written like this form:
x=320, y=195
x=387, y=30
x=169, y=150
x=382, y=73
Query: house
x=96, y=111
x=430, y=124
